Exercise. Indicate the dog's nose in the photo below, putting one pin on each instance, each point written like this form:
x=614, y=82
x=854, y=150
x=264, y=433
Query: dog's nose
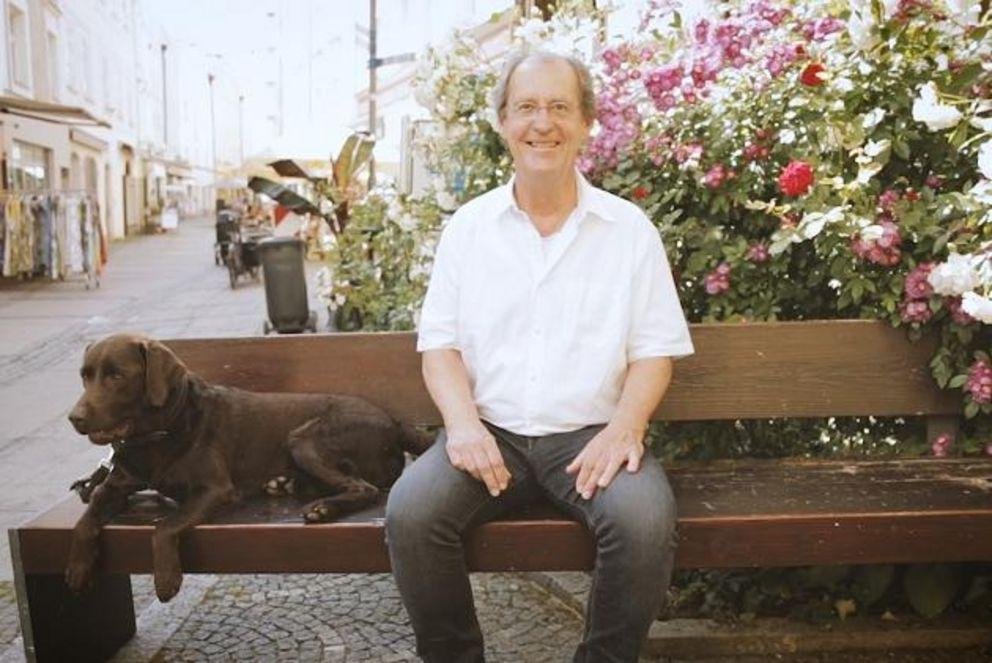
x=77, y=419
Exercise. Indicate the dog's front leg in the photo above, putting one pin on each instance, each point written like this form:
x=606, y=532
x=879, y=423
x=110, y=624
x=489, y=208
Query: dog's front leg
x=165, y=540
x=108, y=499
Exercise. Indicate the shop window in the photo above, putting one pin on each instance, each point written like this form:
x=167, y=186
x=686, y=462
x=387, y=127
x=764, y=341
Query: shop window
x=27, y=168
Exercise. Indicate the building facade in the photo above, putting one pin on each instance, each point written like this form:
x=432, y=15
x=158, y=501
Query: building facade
x=125, y=111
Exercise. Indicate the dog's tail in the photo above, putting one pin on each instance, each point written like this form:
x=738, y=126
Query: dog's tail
x=414, y=440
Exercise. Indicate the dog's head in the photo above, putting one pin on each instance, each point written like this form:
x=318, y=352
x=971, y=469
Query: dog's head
x=127, y=379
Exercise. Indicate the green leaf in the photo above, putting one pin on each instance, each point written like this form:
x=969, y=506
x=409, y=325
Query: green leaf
x=931, y=588
x=957, y=381
x=870, y=582
x=971, y=409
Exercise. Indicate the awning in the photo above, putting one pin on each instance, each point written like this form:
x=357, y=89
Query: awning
x=41, y=110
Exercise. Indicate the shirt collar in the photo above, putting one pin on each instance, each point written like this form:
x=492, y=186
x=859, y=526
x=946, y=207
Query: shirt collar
x=591, y=200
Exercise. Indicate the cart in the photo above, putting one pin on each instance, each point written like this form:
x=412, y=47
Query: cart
x=242, y=254
x=225, y=227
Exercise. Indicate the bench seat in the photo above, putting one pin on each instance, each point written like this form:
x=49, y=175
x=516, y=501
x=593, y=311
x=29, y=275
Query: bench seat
x=732, y=514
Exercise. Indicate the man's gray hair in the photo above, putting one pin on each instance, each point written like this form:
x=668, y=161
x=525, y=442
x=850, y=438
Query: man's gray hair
x=587, y=97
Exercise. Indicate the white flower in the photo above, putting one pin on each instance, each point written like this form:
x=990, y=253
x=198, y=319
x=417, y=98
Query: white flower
x=873, y=148
x=873, y=117
x=982, y=123
x=813, y=223
x=977, y=307
x=985, y=159
x=872, y=232
x=861, y=28
x=446, y=200
x=982, y=192
x=965, y=11
x=787, y=136
x=843, y=84
x=928, y=109
x=956, y=276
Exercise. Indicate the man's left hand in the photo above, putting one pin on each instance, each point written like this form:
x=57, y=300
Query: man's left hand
x=602, y=457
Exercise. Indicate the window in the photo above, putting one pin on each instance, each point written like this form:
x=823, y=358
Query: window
x=28, y=167
x=52, y=47
x=20, y=65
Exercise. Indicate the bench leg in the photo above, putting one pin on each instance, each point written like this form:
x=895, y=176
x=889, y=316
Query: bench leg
x=57, y=625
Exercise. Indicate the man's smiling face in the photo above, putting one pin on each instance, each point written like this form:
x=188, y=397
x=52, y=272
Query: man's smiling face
x=542, y=121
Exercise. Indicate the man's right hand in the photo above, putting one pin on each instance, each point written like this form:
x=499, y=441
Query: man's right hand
x=471, y=448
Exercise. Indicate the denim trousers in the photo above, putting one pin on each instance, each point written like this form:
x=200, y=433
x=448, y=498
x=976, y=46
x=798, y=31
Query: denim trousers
x=632, y=521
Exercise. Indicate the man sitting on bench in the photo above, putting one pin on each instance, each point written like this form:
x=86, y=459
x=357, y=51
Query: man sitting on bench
x=547, y=336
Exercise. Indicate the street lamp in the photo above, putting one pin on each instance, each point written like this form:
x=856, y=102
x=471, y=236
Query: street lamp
x=241, y=129
x=213, y=127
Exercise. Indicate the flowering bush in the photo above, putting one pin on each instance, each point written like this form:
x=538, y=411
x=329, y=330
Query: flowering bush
x=802, y=160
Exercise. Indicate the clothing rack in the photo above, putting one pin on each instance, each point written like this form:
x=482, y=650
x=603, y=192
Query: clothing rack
x=56, y=234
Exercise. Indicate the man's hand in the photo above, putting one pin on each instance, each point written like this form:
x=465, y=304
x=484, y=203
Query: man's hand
x=471, y=448
x=602, y=457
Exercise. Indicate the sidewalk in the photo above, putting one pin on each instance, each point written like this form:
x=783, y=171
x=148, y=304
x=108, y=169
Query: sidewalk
x=168, y=286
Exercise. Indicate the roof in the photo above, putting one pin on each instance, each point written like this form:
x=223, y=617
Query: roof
x=42, y=110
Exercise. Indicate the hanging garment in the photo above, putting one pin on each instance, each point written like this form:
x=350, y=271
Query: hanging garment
x=73, y=257
x=43, y=235
x=21, y=238
x=3, y=233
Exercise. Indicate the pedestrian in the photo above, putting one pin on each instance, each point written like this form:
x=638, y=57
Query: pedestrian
x=548, y=333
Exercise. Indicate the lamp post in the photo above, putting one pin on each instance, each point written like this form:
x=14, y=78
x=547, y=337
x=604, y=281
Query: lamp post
x=165, y=103
x=213, y=127
x=241, y=129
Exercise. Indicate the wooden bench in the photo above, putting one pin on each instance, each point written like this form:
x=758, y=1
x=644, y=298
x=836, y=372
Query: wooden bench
x=732, y=513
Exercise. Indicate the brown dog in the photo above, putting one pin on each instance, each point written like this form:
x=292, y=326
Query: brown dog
x=208, y=446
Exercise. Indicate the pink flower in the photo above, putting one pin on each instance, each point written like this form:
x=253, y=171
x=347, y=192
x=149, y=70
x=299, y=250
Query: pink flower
x=958, y=314
x=718, y=281
x=796, y=178
x=758, y=252
x=934, y=182
x=942, y=445
x=888, y=200
x=979, y=383
x=715, y=176
x=917, y=286
x=915, y=311
x=988, y=449
x=883, y=251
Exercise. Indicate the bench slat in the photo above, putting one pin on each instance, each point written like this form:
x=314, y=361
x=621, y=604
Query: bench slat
x=732, y=513
x=761, y=370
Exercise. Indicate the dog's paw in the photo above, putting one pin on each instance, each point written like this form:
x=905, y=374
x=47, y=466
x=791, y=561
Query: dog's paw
x=78, y=576
x=279, y=486
x=167, y=585
x=318, y=512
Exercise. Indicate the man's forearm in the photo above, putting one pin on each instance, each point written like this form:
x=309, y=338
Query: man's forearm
x=646, y=383
x=447, y=382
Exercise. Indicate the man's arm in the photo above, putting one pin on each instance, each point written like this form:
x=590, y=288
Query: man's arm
x=470, y=446
x=622, y=440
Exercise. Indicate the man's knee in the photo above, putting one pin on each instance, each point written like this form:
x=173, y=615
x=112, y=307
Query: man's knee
x=638, y=513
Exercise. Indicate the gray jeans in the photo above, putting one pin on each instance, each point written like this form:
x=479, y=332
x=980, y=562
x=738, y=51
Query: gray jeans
x=433, y=505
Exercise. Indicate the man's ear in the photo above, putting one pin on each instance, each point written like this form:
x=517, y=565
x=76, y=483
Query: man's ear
x=163, y=371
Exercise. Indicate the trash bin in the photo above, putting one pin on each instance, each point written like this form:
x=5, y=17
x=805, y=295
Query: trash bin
x=285, y=286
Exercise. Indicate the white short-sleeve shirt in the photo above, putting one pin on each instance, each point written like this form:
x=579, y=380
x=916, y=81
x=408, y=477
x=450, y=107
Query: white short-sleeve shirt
x=547, y=326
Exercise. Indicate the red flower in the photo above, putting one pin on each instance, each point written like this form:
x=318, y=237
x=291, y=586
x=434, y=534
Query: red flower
x=810, y=76
x=796, y=178
x=641, y=192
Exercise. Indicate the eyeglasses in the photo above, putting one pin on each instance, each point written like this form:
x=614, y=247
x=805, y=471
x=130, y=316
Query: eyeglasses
x=528, y=110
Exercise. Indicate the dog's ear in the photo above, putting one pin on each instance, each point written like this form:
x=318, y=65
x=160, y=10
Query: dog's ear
x=163, y=371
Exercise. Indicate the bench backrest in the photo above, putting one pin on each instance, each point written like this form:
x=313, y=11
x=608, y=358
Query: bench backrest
x=740, y=371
